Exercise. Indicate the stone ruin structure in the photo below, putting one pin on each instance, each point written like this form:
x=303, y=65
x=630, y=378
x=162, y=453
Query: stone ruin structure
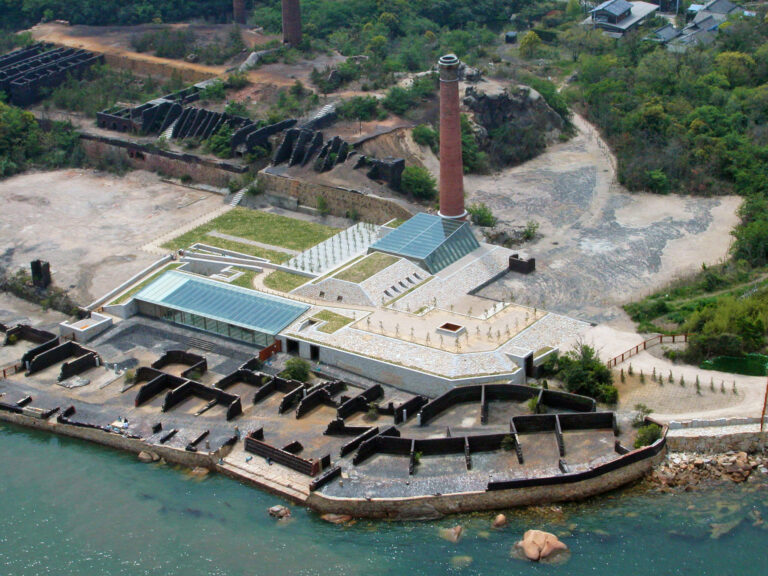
x=25, y=73
x=170, y=117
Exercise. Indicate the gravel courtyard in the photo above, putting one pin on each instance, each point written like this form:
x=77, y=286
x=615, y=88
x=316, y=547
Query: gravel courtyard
x=90, y=225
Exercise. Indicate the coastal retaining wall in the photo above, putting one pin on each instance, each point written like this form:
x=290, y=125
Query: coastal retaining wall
x=749, y=442
x=339, y=201
x=142, y=157
x=116, y=441
x=435, y=506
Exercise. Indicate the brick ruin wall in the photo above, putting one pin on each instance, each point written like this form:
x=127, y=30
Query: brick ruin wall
x=340, y=201
x=163, y=162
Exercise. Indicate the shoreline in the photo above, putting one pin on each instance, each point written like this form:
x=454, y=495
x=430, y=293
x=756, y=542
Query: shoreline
x=541, y=491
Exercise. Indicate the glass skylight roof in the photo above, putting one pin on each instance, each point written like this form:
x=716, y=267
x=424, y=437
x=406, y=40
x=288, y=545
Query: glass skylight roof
x=432, y=241
x=231, y=304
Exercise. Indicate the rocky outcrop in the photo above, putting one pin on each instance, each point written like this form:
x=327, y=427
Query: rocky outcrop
x=686, y=470
x=452, y=534
x=279, y=512
x=520, y=105
x=336, y=518
x=537, y=545
x=147, y=456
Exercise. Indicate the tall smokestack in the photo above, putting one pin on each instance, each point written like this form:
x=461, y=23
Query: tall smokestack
x=451, y=165
x=291, y=22
x=238, y=11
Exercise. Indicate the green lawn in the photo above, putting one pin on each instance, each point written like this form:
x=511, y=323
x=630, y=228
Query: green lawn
x=332, y=321
x=284, y=281
x=246, y=280
x=128, y=295
x=367, y=267
x=396, y=223
x=257, y=226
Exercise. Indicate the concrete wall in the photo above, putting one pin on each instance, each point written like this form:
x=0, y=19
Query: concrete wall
x=86, y=329
x=725, y=442
x=340, y=200
x=408, y=379
x=171, y=164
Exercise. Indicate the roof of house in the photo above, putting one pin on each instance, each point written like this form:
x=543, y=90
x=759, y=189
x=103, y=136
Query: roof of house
x=615, y=7
x=666, y=33
x=720, y=6
x=640, y=10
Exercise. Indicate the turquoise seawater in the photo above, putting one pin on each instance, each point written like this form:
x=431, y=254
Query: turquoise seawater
x=71, y=508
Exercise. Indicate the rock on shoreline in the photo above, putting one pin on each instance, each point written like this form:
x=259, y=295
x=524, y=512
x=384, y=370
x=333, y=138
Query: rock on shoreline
x=688, y=470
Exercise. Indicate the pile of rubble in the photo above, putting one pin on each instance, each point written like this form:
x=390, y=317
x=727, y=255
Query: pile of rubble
x=683, y=470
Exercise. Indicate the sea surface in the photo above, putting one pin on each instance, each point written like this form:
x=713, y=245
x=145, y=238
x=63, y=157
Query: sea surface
x=72, y=508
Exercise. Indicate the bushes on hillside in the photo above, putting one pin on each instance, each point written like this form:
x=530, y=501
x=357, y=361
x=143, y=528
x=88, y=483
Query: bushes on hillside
x=419, y=182
x=359, y=108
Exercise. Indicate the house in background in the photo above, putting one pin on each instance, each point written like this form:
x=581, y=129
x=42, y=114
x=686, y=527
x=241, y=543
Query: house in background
x=617, y=17
x=705, y=19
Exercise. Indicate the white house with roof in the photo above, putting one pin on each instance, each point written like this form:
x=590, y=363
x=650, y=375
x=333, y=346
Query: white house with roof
x=617, y=17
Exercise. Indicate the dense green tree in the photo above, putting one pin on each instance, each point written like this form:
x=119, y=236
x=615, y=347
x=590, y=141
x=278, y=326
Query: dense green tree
x=584, y=373
x=419, y=182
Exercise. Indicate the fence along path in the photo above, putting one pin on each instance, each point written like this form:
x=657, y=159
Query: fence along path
x=660, y=339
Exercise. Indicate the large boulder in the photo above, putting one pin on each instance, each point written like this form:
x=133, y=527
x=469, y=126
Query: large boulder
x=537, y=545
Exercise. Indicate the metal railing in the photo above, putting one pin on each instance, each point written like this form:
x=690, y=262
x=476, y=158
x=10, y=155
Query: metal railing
x=660, y=339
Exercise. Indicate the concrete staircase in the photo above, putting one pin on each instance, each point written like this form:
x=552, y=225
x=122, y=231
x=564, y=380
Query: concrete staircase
x=237, y=197
x=168, y=132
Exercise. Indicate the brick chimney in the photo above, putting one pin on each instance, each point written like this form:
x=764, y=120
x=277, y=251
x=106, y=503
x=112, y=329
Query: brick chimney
x=451, y=166
x=238, y=11
x=291, y=22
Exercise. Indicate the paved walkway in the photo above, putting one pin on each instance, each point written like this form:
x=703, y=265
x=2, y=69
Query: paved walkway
x=275, y=478
x=217, y=234
x=673, y=401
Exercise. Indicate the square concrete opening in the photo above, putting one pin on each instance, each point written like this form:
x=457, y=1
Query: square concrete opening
x=451, y=328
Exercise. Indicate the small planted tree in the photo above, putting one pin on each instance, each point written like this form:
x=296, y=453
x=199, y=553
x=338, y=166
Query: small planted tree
x=647, y=435
x=530, y=44
x=296, y=369
x=373, y=411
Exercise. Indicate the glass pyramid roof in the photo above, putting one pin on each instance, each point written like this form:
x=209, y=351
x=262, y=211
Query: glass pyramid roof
x=432, y=241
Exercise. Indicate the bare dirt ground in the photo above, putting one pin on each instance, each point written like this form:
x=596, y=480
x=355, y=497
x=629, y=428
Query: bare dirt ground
x=90, y=226
x=599, y=246
x=116, y=41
